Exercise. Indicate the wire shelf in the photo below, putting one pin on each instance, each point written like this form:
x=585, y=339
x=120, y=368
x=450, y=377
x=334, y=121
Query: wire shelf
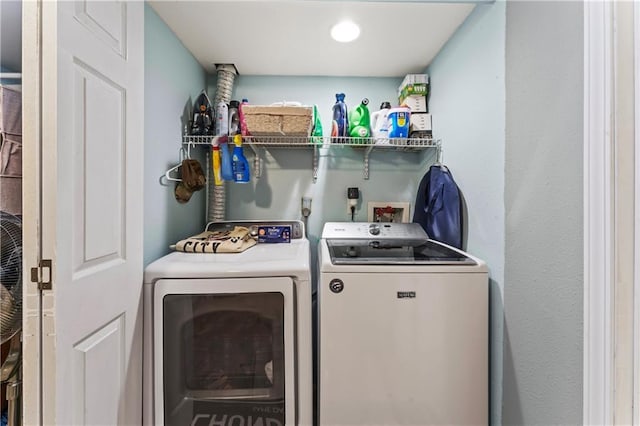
x=367, y=145
x=324, y=142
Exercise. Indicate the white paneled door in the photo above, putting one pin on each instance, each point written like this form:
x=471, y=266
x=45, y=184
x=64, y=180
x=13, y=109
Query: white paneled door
x=91, y=145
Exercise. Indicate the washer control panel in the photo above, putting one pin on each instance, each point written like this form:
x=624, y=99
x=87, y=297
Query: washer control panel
x=374, y=230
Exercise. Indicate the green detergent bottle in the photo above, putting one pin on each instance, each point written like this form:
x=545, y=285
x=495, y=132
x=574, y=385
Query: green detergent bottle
x=317, y=126
x=360, y=121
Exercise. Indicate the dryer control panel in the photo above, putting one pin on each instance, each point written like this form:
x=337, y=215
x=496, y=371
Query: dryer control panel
x=297, y=227
x=373, y=230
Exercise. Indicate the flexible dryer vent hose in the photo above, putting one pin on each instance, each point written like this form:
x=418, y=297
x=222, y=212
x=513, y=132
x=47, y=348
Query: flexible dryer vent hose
x=224, y=88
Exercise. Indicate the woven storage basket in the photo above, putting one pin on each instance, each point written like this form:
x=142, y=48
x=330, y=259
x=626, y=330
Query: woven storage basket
x=263, y=120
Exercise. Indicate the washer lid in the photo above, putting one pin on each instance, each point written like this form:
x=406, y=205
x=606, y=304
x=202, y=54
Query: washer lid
x=386, y=252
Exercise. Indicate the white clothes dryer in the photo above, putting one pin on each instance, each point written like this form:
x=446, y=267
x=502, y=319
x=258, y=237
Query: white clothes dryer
x=228, y=337
x=403, y=328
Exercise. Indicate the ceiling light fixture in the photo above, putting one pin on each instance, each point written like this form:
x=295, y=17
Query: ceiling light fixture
x=345, y=31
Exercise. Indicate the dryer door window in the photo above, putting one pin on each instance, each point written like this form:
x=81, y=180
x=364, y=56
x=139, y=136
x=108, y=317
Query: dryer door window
x=225, y=358
x=229, y=349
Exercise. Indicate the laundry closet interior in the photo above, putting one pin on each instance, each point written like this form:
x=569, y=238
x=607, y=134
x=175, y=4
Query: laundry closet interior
x=484, y=61
x=459, y=45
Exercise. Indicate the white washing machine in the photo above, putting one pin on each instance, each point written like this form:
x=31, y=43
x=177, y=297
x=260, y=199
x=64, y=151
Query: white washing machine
x=228, y=337
x=403, y=328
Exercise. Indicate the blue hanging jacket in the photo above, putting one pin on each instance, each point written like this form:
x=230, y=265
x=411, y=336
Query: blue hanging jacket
x=438, y=207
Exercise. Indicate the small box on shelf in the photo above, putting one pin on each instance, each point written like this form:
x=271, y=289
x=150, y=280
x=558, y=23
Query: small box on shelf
x=413, y=84
x=413, y=89
x=415, y=79
x=421, y=124
x=417, y=103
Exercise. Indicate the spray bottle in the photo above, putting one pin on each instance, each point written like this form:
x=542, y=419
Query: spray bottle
x=240, y=163
x=340, y=124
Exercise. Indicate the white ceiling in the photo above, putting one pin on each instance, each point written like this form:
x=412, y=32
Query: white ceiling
x=291, y=37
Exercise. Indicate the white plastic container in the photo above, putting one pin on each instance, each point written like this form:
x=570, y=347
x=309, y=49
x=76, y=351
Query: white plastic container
x=398, y=122
x=222, y=119
x=379, y=125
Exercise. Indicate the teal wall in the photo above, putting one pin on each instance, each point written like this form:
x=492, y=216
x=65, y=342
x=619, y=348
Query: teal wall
x=287, y=173
x=543, y=309
x=468, y=106
x=173, y=79
x=489, y=149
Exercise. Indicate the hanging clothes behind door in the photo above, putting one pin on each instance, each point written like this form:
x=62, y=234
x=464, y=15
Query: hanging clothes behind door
x=10, y=150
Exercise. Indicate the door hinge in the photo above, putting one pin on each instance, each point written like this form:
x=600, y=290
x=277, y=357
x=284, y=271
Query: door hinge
x=42, y=275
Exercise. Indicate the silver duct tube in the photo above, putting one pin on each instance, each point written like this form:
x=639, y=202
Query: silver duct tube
x=216, y=202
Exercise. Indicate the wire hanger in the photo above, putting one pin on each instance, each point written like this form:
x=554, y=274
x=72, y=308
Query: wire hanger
x=439, y=162
x=184, y=154
x=189, y=145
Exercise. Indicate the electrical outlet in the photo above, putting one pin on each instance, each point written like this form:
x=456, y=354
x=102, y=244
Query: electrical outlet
x=353, y=195
x=387, y=211
x=349, y=207
x=305, y=208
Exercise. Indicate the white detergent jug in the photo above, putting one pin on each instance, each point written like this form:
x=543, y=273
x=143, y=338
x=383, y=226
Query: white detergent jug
x=379, y=123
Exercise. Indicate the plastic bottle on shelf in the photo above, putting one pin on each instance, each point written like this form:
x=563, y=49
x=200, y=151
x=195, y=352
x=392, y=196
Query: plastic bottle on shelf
x=215, y=158
x=340, y=123
x=398, y=122
x=240, y=163
x=227, y=162
x=359, y=120
x=234, y=118
x=222, y=119
x=379, y=123
x=317, y=126
x=243, y=121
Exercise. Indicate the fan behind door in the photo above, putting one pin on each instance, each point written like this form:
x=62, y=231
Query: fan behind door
x=10, y=276
x=11, y=310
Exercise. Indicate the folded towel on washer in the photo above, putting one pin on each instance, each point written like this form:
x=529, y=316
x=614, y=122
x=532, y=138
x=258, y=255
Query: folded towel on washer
x=235, y=241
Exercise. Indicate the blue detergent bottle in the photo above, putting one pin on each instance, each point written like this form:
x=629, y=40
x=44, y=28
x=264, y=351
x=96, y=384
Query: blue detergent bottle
x=227, y=163
x=239, y=162
x=340, y=124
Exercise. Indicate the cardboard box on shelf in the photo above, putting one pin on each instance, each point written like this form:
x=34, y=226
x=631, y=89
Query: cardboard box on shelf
x=421, y=122
x=415, y=79
x=417, y=103
x=413, y=89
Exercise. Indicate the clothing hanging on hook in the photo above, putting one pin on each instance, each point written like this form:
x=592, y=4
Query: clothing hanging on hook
x=438, y=206
x=193, y=179
x=187, y=174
